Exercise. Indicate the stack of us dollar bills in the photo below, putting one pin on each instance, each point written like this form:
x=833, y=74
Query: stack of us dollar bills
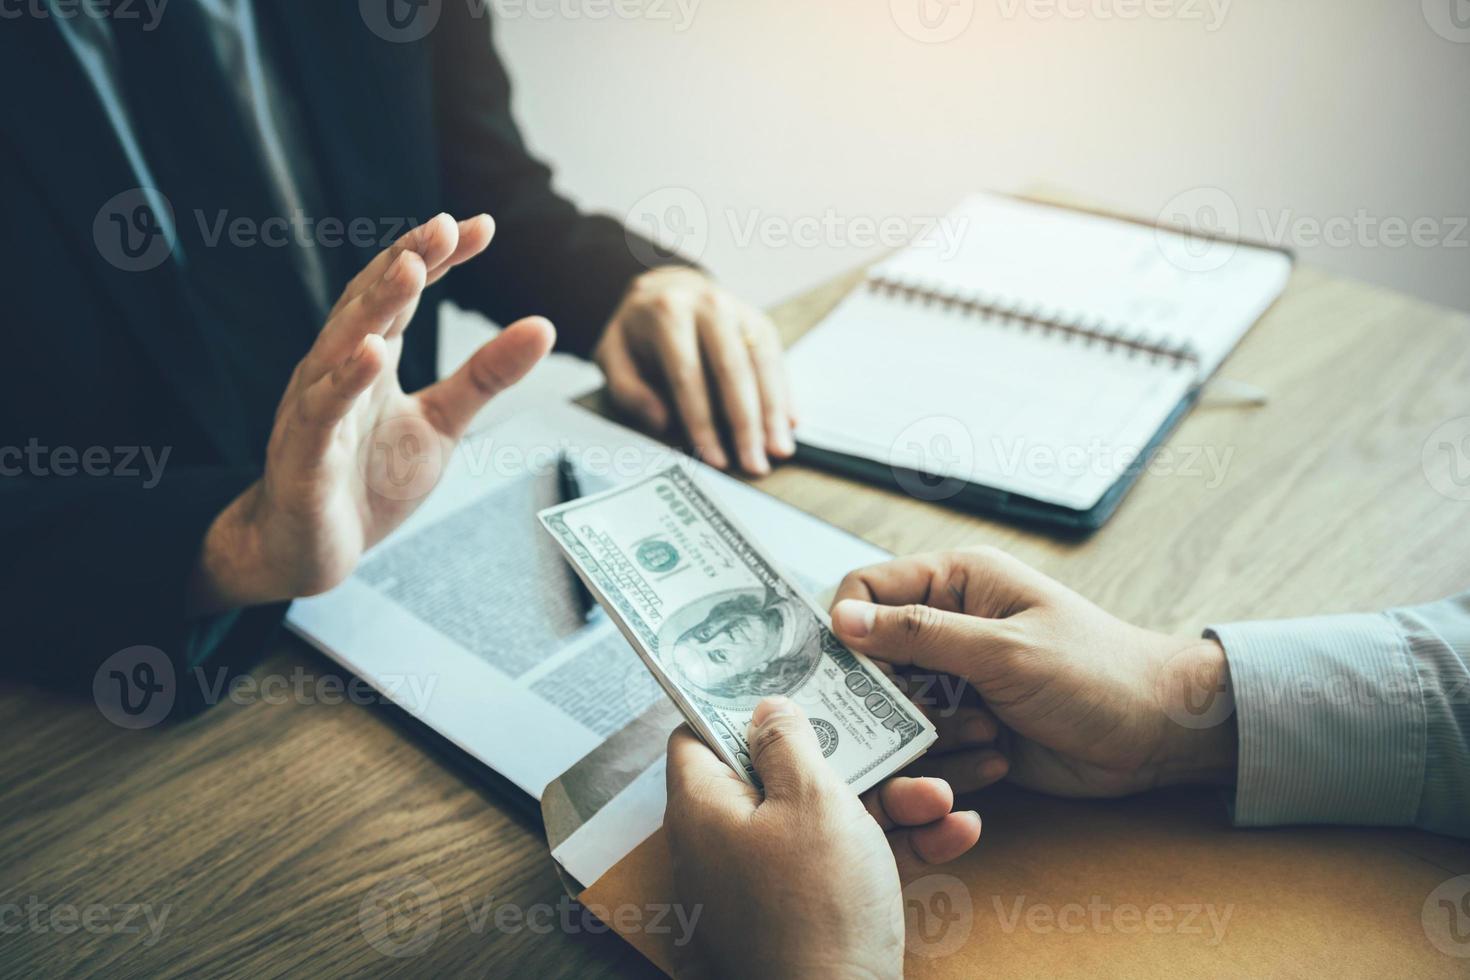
x=721, y=628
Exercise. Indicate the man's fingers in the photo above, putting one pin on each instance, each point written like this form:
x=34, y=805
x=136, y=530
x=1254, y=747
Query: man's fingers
x=329, y=398
x=914, y=578
x=734, y=375
x=917, y=848
x=630, y=393
x=775, y=391
x=678, y=353
x=784, y=751
x=474, y=235
x=905, y=801
x=469, y=238
x=433, y=241
x=326, y=401
x=697, y=777
x=917, y=635
x=370, y=312
x=451, y=404
x=985, y=581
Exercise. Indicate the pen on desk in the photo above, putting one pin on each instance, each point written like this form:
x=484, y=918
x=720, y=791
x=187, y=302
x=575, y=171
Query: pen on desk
x=569, y=487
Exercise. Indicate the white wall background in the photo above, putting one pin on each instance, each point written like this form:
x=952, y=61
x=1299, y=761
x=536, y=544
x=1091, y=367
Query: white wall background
x=791, y=112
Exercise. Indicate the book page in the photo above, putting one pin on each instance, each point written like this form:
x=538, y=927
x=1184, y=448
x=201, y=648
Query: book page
x=469, y=617
x=958, y=395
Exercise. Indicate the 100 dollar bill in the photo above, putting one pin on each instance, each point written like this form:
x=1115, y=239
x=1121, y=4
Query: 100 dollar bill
x=721, y=628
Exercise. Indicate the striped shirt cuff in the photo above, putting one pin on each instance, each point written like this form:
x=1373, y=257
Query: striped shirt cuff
x=1331, y=721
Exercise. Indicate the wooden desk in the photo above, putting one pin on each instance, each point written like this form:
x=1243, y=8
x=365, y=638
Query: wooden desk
x=261, y=829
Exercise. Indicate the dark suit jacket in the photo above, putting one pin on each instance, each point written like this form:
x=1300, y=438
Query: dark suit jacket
x=97, y=356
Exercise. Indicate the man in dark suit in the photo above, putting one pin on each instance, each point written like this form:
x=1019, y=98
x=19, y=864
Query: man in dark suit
x=192, y=190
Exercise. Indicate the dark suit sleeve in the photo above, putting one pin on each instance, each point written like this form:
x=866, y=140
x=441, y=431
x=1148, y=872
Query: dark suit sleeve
x=548, y=257
x=96, y=564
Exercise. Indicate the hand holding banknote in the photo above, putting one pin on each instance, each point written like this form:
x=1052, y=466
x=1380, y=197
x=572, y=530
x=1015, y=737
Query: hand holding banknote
x=793, y=874
x=720, y=627
x=801, y=880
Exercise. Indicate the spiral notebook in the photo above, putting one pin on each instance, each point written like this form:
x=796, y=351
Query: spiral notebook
x=1029, y=363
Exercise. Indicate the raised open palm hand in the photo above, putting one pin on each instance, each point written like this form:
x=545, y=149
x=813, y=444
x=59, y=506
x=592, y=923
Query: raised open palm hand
x=351, y=455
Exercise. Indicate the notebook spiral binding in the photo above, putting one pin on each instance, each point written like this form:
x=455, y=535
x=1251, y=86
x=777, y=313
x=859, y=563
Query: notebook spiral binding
x=1111, y=338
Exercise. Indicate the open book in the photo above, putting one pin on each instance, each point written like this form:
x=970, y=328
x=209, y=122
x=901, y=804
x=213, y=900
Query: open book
x=1034, y=369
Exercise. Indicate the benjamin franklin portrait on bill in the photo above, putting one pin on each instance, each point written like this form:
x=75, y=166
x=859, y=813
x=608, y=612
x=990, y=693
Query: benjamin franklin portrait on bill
x=734, y=648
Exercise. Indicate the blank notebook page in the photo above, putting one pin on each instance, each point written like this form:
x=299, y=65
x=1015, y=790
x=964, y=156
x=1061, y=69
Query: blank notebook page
x=897, y=375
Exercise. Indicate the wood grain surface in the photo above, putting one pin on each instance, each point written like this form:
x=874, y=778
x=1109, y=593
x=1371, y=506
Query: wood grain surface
x=256, y=833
